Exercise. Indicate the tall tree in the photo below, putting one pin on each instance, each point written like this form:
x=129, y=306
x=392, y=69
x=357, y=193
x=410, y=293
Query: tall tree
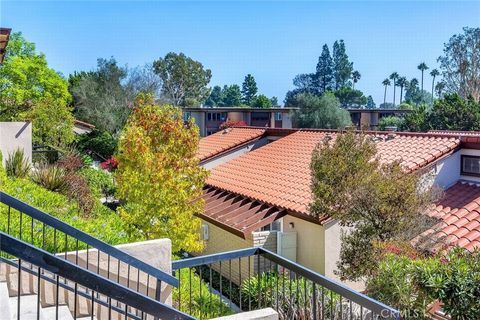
x=386, y=83
x=350, y=98
x=184, y=79
x=370, y=103
x=101, y=98
x=440, y=88
x=231, y=96
x=355, y=77
x=342, y=66
x=460, y=63
x=157, y=156
x=434, y=73
x=394, y=76
x=455, y=113
x=401, y=82
x=319, y=112
x=325, y=71
x=422, y=67
x=249, y=89
x=261, y=101
x=215, y=98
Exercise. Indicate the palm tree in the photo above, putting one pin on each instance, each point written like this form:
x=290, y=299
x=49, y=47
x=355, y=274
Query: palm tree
x=386, y=83
x=422, y=67
x=394, y=77
x=439, y=88
x=434, y=73
x=402, y=83
x=355, y=77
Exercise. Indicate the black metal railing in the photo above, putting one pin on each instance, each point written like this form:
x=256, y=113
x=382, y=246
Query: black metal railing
x=106, y=298
x=254, y=278
x=46, y=232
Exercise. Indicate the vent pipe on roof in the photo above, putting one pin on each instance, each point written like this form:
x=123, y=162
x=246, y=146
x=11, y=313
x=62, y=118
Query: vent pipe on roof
x=391, y=132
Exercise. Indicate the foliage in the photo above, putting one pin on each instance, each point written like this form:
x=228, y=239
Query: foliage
x=231, y=96
x=101, y=99
x=350, y=98
x=100, y=181
x=405, y=106
x=110, y=164
x=71, y=161
x=319, y=112
x=25, y=78
x=50, y=177
x=17, y=165
x=77, y=188
x=230, y=123
x=324, y=77
x=342, y=66
x=390, y=121
x=454, y=113
x=52, y=123
x=98, y=143
x=249, y=89
x=157, y=157
x=215, y=98
x=394, y=284
x=416, y=120
x=262, y=102
x=453, y=279
x=459, y=63
x=370, y=103
x=377, y=202
x=184, y=79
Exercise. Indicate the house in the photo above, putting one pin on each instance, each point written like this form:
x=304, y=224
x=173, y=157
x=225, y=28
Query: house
x=81, y=127
x=209, y=119
x=369, y=118
x=4, y=36
x=258, y=190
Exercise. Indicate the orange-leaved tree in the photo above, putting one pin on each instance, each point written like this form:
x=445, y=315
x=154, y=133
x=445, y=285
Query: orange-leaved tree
x=159, y=177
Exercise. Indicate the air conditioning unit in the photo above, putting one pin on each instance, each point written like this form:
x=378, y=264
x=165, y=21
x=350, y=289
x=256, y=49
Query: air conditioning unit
x=205, y=231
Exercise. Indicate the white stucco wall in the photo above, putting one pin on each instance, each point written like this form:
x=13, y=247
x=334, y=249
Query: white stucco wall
x=15, y=135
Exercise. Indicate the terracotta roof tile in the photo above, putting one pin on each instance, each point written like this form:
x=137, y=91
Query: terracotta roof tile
x=226, y=139
x=463, y=227
x=279, y=173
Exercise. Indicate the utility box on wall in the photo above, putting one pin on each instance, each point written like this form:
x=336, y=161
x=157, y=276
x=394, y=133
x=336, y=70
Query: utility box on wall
x=16, y=135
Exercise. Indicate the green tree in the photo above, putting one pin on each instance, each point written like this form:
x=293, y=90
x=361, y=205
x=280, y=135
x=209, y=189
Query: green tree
x=319, y=112
x=422, y=67
x=157, y=157
x=454, y=113
x=100, y=97
x=416, y=120
x=401, y=82
x=249, y=90
x=440, y=88
x=184, y=79
x=342, y=67
x=25, y=79
x=274, y=101
x=386, y=83
x=350, y=98
x=231, y=96
x=459, y=63
x=355, y=77
x=215, y=98
x=415, y=96
x=434, y=73
x=390, y=121
x=262, y=102
x=370, y=103
x=325, y=76
x=377, y=202
x=394, y=76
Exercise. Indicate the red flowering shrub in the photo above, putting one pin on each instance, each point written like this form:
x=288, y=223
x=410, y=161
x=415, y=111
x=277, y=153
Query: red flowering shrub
x=231, y=123
x=110, y=164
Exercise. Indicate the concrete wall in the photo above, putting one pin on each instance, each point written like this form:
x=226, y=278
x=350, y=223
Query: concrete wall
x=15, y=135
x=310, y=242
x=286, y=120
x=261, y=314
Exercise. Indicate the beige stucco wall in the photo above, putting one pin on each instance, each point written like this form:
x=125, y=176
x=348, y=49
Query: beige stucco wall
x=310, y=243
x=15, y=135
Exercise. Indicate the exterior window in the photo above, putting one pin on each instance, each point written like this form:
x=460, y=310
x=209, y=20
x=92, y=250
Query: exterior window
x=209, y=116
x=186, y=115
x=471, y=165
x=278, y=116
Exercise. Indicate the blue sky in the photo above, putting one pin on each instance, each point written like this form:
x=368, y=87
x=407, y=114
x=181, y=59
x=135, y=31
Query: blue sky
x=274, y=41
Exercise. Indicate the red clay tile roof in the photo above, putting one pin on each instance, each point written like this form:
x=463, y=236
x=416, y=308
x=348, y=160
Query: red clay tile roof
x=459, y=214
x=237, y=214
x=224, y=140
x=278, y=174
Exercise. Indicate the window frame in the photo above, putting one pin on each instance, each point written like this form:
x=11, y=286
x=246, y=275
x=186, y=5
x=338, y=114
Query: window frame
x=464, y=173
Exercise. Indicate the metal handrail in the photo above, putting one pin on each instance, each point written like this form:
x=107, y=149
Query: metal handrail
x=332, y=285
x=86, y=238
x=72, y=272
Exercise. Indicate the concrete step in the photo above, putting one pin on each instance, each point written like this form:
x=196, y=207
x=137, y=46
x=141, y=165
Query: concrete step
x=51, y=312
x=5, y=313
x=28, y=308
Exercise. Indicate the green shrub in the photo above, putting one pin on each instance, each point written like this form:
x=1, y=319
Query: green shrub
x=51, y=177
x=17, y=165
x=100, y=181
x=77, y=188
x=390, y=121
x=98, y=143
